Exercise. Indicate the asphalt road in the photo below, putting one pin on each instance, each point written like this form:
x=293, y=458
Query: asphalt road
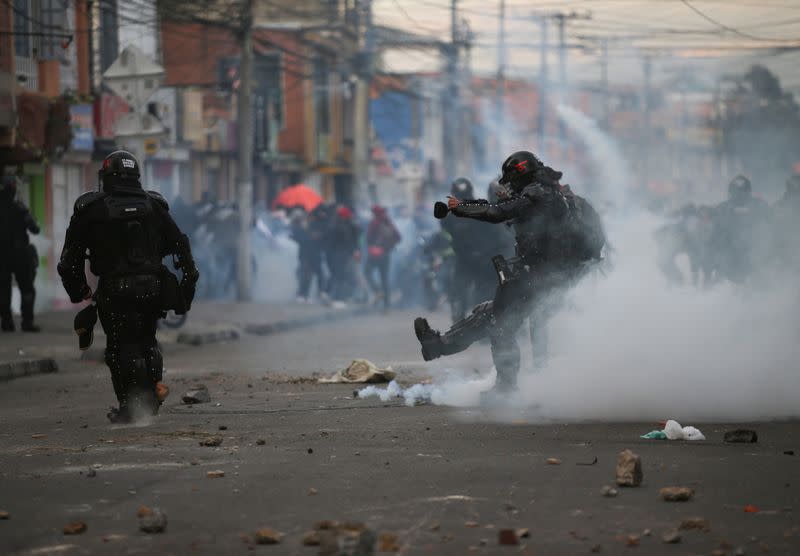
x=444, y=480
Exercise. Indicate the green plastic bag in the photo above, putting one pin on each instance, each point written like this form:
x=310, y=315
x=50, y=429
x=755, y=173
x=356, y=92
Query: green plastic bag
x=655, y=435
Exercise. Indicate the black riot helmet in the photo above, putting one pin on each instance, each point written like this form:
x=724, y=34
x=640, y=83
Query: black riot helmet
x=8, y=187
x=119, y=169
x=461, y=188
x=519, y=168
x=739, y=188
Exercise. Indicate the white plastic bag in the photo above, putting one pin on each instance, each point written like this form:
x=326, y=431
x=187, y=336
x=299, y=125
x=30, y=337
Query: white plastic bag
x=673, y=430
x=692, y=433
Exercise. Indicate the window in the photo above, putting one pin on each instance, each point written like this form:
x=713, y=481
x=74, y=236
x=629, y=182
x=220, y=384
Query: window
x=52, y=18
x=22, y=28
x=109, y=34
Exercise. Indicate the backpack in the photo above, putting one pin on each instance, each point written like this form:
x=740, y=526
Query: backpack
x=585, y=227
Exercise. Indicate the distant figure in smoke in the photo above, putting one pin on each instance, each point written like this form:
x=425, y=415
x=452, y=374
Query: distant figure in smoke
x=310, y=232
x=557, y=232
x=740, y=235
x=18, y=258
x=343, y=254
x=787, y=226
x=474, y=244
x=127, y=231
x=688, y=232
x=382, y=238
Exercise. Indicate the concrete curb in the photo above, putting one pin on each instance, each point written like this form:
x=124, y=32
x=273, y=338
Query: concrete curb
x=333, y=315
x=208, y=337
x=10, y=370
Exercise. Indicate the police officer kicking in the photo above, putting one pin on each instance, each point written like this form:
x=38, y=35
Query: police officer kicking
x=556, y=231
x=127, y=232
x=17, y=256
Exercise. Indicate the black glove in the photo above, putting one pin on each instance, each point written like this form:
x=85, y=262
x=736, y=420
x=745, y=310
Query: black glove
x=440, y=210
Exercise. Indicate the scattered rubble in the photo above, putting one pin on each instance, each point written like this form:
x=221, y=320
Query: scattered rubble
x=151, y=520
x=75, y=528
x=751, y=509
x=471, y=524
x=507, y=537
x=387, y=542
x=596, y=548
x=609, y=491
x=211, y=441
x=260, y=442
x=265, y=535
x=312, y=491
x=676, y=494
x=198, y=394
x=741, y=436
x=4, y=514
x=311, y=538
x=553, y=461
x=695, y=523
x=632, y=540
x=523, y=533
x=629, y=469
x=361, y=371
x=38, y=436
x=671, y=537
x=345, y=539
x=216, y=474
x=91, y=473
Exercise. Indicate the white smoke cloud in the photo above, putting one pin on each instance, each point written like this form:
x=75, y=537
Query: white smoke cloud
x=627, y=346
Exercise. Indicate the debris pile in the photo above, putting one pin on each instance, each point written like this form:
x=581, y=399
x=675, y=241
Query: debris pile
x=674, y=431
x=361, y=371
x=151, y=520
x=629, y=469
x=746, y=436
x=198, y=394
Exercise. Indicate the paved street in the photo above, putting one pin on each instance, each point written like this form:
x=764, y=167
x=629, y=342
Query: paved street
x=445, y=480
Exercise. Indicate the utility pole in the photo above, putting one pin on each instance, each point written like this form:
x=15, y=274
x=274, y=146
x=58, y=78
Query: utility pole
x=561, y=19
x=245, y=174
x=604, y=82
x=543, y=84
x=361, y=125
x=646, y=119
x=450, y=100
x=501, y=71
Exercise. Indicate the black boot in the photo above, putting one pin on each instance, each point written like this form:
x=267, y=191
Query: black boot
x=430, y=339
x=30, y=327
x=7, y=325
x=121, y=415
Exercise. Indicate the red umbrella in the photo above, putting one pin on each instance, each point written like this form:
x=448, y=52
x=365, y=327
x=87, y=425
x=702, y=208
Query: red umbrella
x=299, y=195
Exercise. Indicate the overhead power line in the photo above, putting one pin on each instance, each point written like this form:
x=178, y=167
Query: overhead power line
x=728, y=27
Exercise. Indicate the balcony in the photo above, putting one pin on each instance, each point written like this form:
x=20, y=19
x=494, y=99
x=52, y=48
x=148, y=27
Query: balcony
x=27, y=72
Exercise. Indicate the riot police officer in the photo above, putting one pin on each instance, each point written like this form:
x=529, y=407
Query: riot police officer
x=551, y=248
x=127, y=232
x=17, y=256
x=739, y=239
x=474, y=244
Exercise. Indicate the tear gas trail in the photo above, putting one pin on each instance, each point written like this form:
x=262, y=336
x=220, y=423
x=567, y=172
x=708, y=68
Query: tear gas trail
x=611, y=166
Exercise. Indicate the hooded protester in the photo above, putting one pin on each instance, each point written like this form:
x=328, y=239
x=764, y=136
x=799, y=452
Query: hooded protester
x=343, y=254
x=382, y=238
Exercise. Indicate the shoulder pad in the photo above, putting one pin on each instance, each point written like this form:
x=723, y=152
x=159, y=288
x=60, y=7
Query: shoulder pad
x=535, y=191
x=88, y=198
x=159, y=198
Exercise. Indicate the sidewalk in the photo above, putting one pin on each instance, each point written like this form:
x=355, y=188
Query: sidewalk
x=208, y=322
